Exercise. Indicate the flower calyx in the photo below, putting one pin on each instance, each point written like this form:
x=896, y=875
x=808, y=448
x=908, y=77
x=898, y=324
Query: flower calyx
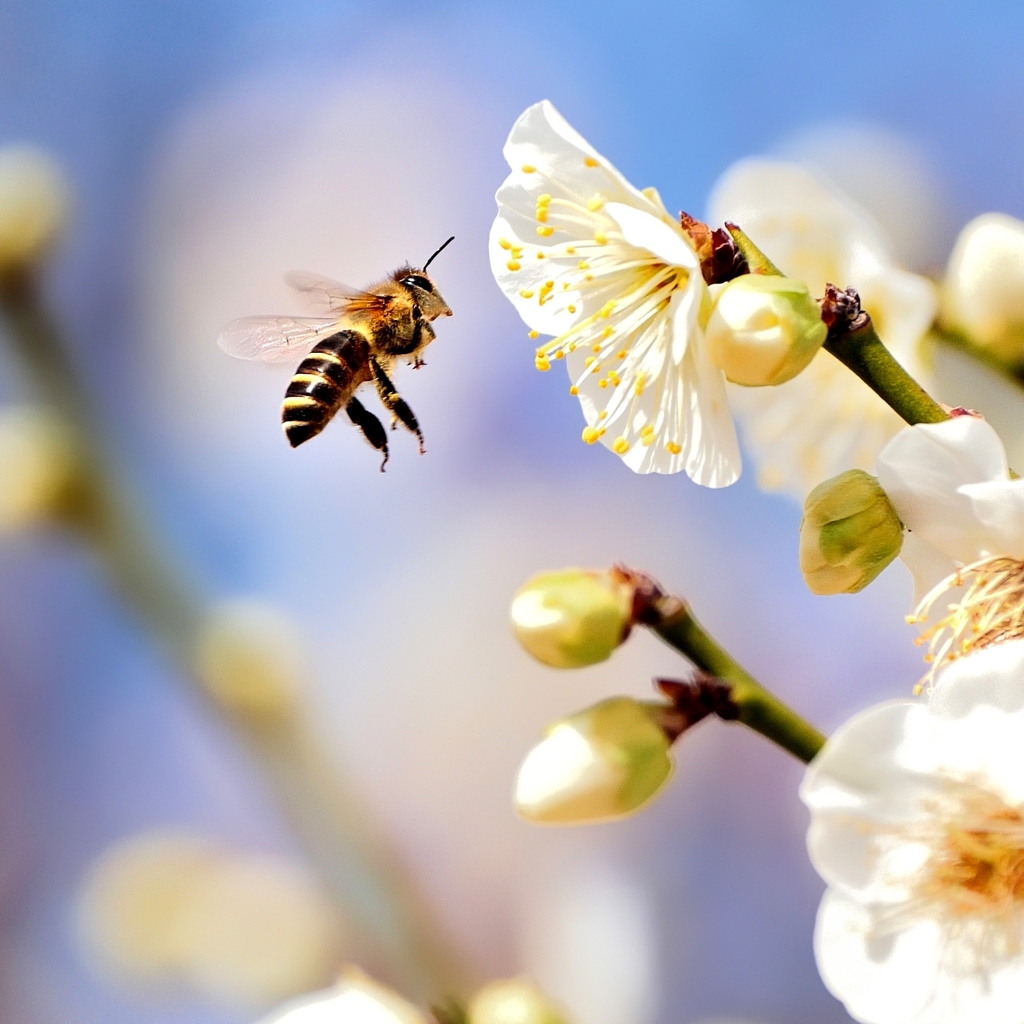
x=694, y=699
x=720, y=257
x=841, y=310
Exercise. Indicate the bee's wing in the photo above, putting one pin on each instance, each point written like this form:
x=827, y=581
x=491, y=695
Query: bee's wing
x=321, y=293
x=274, y=338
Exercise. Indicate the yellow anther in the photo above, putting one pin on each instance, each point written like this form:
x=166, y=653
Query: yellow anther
x=513, y=264
x=572, y=309
x=596, y=347
x=606, y=310
x=548, y=285
x=565, y=286
x=559, y=354
x=526, y=293
x=606, y=333
x=600, y=237
x=534, y=334
x=602, y=383
x=543, y=199
x=590, y=360
x=602, y=432
x=540, y=255
x=504, y=243
x=641, y=378
x=574, y=390
x=621, y=353
x=570, y=250
x=590, y=435
x=528, y=168
x=620, y=446
x=544, y=230
x=647, y=431
x=583, y=265
x=595, y=368
x=672, y=447
x=590, y=161
x=542, y=213
x=542, y=363
x=572, y=346
x=594, y=203
x=614, y=378
x=517, y=251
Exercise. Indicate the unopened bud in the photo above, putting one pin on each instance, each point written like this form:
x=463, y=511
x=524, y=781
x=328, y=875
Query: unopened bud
x=33, y=206
x=983, y=293
x=515, y=1001
x=573, y=617
x=850, y=532
x=37, y=467
x=601, y=764
x=764, y=329
x=250, y=658
x=356, y=999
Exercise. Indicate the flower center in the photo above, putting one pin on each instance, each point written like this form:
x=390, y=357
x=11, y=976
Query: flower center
x=990, y=611
x=976, y=863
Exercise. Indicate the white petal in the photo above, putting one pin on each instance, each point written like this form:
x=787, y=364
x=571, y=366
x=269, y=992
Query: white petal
x=922, y=470
x=541, y=138
x=928, y=565
x=652, y=233
x=992, y=676
x=999, y=508
x=880, y=978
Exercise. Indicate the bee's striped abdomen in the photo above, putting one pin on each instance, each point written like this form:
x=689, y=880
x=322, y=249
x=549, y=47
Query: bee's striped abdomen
x=323, y=383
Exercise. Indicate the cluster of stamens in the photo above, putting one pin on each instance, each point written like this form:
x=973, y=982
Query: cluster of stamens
x=637, y=291
x=990, y=611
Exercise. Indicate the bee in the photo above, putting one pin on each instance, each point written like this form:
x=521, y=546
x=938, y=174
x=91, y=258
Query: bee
x=359, y=343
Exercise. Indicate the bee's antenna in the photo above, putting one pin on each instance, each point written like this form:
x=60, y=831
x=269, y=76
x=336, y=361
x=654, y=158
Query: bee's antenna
x=438, y=253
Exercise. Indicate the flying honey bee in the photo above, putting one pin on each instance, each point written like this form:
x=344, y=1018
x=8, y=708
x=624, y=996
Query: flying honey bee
x=359, y=342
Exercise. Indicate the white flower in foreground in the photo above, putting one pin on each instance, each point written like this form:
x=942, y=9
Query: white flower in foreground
x=604, y=763
x=917, y=826
x=241, y=929
x=983, y=292
x=825, y=420
x=950, y=485
x=586, y=257
x=356, y=999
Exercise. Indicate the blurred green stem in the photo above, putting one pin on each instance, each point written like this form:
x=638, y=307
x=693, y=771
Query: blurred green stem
x=377, y=899
x=759, y=708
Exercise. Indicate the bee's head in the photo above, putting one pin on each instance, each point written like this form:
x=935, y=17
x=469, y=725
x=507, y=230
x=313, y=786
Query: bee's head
x=426, y=295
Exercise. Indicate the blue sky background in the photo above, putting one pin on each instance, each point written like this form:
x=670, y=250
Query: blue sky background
x=97, y=738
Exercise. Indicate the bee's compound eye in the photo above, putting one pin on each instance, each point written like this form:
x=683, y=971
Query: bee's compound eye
x=417, y=281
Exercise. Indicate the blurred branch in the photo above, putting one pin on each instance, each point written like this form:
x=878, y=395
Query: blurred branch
x=377, y=899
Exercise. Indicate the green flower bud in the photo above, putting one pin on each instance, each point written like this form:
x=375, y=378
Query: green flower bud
x=515, y=1001
x=33, y=205
x=850, y=532
x=573, y=617
x=764, y=329
x=599, y=765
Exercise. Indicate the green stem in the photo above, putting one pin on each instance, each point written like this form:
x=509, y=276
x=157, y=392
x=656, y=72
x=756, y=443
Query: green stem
x=377, y=899
x=759, y=708
x=862, y=351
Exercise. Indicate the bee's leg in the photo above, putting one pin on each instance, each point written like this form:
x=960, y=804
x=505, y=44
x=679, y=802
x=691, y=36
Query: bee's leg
x=395, y=403
x=371, y=427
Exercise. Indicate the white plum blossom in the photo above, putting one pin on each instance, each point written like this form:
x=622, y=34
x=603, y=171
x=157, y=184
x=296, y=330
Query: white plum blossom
x=917, y=826
x=600, y=265
x=952, y=489
x=825, y=420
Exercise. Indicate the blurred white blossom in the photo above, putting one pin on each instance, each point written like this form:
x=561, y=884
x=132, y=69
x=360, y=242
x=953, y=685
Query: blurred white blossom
x=513, y=1001
x=355, y=999
x=917, y=826
x=37, y=467
x=983, y=291
x=585, y=256
x=825, y=420
x=250, y=658
x=33, y=205
x=165, y=909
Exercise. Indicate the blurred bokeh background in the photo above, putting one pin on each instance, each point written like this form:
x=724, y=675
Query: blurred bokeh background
x=212, y=146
